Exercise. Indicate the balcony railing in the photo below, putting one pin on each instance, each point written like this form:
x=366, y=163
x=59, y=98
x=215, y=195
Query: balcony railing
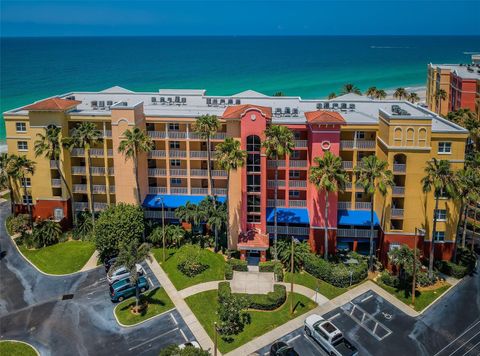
x=348, y=186
x=79, y=188
x=355, y=233
x=298, y=163
x=360, y=205
x=280, y=163
x=157, y=134
x=183, y=135
x=178, y=190
x=219, y=173
x=198, y=172
x=178, y=172
x=359, y=144
x=177, y=154
x=289, y=230
x=271, y=203
x=398, y=213
x=271, y=183
x=344, y=205
x=346, y=144
x=202, y=154
x=82, y=170
x=157, y=154
x=297, y=184
x=157, y=190
x=157, y=172
x=157, y=214
x=176, y=134
x=347, y=164
x=81, y=206
x=219, y=191
x=56, y=183
x=399, y=168
x=94, y=152
x=396, y=190
x=217, y=136
x=297, y=203
x=301, y=143
x=199, y=191
x=96, y=189
x=53, y=165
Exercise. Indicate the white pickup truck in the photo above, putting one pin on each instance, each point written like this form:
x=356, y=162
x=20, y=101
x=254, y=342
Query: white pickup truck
x=328, y=336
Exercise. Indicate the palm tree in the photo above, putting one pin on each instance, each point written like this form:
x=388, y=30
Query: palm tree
x=131, y=254
x=332, y=95
x=403, y=258
x=300, y=251
x=215, y=214
x=230, y=157
x=6, y=165
x=174, y=234
x=400, y=93
x=468, y=120
x=380, y=94
x=136, y=142
x=439, y=177
x=328, y=176
x=206, y=126
x=440, y=96
x=413, y=97
x=85, y=135
x=23, y=167
x=279, y=142
x=466, y=181
x=350, y=88
x=191, y=213
x=371, y=92
x=374, y=176
x=49, y=145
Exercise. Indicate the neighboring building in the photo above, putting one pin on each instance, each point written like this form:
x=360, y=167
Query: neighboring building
x=459, y=82
x=352, y=126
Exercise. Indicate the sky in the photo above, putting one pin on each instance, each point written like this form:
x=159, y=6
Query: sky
x=233, y=17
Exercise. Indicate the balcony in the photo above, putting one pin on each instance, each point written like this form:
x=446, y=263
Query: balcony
x=157, y=190
x=96, y=188
x=360, y=205
x=157, y=172
x=96, y=171
x=217, y=136
x=399, y=168
x=179, y=190
x=56, y=183
x=202, y=154
x=355, y=233
x=157, y=154
x=346, y=144
x=289, y=230
x=347, y=165
x=280, y=163
x=94, y=152
x=297, y=203
x=157, y=214
x=348, y=187
x=219, y=173
x=298, y=164
x=199, y=191
x=357, y=144
x=271, y=183
x=301, y=143
x=177, y=135
x=82, y=206
x=297, y=184
x=398, y=191
x=157, y=134
x=53, y=165
x=397, y=213
x=219, y=191
x=198, y=172
x=271, y=203
x=177, y=154
x=344, y=205
x=182, y=135
x=178, y=172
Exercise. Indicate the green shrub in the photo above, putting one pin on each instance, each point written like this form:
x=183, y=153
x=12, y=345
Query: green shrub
x=269, y=301
x=452, y=269
x=191, y=265
x=423, y=280
x=46, y=233
x=17, y=224
x=228, y=271
x=224, y=291
x=389, y=280
x=278, y=271
x=466, y=257
x=267, y=266
x=238, y=265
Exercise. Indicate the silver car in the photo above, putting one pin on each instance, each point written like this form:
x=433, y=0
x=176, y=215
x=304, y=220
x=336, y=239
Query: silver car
x=116, y=274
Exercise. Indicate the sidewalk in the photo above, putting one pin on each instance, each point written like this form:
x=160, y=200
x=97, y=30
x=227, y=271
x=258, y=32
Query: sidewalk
x=192, y=322
x=91, y=263
x=307, y=292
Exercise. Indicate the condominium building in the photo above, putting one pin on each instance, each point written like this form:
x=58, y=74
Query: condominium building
x=459, y=81
x=405, y=135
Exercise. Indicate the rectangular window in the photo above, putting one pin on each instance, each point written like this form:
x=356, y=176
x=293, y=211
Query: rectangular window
x=297, y=135
x=440, y=236
x=175, y=163
x=175, y=145
x=359, y=195
x=295, y=155
x=21, y=127
x=360, y=135
x=28, y=181
x=294, y=174
x=441, y=214
x=445, y=147
x=101, y=104
x=294, y=193
x=22, y=145
x=173, y=127
x=253, y=203
x=253, y=218
x=58, y=214
x=27, y=199
x=253, y=162
x=253, y=183
x=176, y=181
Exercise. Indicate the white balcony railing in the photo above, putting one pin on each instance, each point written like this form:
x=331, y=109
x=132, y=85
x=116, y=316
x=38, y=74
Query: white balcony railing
x=157, y=154
x=94, y=152
x=177, y=134
x=157, y=172
x=398, y=213
x=280, y=203
x=297, y=203
x=219, y=191
x=301, y=143
x=157, y=214
x=298, y=163
x=198, y=172
x=399, y=168
x=79, y=188
x=56, y=183
x=53, y=165
x=177, y=154
x=178, y=172
x=157, y=134
x=297, y=184
x=289, y=230
x=280, y=163
x=219, y=173
x=199, y=191
x=360, y=205
x=347, y=164
x=179, y=190
x=365, y=144
x=355, y=233
x=82, y=206
x=271, y=183
x=346, y=144
x=396, y=190
x=157, y=190
x=344, y=205
x=202, y=154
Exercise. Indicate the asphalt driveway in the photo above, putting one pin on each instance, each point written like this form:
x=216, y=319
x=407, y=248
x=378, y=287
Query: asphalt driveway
x=32, y=309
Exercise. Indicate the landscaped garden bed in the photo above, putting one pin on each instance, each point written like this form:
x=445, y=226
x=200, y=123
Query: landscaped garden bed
x=158, y=303
x=309, y=281
x=15, y=348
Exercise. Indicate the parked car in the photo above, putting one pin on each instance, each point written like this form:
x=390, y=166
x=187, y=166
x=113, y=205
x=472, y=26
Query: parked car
x=121, y=272
x=328, y=336
x=281, y=348
x=108, y=263
x=190, y=344
x=123, y=289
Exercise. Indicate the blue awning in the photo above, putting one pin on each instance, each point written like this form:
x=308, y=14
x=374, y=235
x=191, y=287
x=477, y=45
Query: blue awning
x=173, y=201
x=356, y=218
x=289, y=216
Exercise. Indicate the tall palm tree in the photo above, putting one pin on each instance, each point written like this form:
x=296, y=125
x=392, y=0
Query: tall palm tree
x=279, y=142
x=350, y=88
x=466, y=181
x=328, y=176
x=230, y=157
x=440, y=95
x=439, y=177
x=371, y=92
x=85, y=135
x=132, y=253
x=332, y=95
x=23, y=167
x=206, y=126
x=400, y=93
x=136, y=142
x=413, y=97
x=380, y=94
x=49, y=145
x=373, y=176
x=468, y=120
x=215, y=214
x=6, y=175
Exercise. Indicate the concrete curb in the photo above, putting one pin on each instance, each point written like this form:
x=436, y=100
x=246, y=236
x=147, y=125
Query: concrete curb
x=23, y=342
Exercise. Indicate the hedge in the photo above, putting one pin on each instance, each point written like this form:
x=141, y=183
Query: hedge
x=228, y=271
x=452, y=269
x=238, y=265
x=269, y=301
x=337, y=275
x=272, y=266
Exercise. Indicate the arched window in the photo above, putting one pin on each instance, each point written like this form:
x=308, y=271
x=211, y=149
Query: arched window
x=397, y=136
x=410, y=139
x=422, y=137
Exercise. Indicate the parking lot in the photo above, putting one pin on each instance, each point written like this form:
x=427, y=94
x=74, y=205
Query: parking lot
x=467, y=343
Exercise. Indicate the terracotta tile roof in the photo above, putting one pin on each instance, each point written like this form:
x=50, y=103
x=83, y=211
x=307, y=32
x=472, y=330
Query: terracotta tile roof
x=52, y=104
x=324, y=117
x=253, y=239
x=237, y=111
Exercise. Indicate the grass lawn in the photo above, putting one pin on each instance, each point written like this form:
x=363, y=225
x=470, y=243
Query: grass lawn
x=204, y=306
x=158, y=302
x=309, y=281
x=422, y=298
x=62, y=258
x=13, y=348
x=215, y=272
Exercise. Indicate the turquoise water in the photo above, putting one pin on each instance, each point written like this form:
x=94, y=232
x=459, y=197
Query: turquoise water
x=33, y=68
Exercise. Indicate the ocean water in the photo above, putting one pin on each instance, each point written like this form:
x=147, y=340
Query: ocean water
x=33, y=68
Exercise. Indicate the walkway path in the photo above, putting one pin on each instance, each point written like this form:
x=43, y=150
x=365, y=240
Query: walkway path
x=91, y=263
x=199, y=288
x=182, y=307
x=307, y=292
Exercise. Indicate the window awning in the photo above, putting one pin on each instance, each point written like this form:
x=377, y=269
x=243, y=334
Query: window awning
x=289, y=216
x=173, y=201
x=356, y=218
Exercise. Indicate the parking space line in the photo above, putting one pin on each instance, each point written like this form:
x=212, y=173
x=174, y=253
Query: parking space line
x=173, y=318
x=366, y=298
x=474, y=346
x=293, y=338
x=458, y=337
x=184, y=336
x=335, y=316
x=150, y=281
x=314, y=344
x=153, y=338
x=367, y=317
x=458, y=348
